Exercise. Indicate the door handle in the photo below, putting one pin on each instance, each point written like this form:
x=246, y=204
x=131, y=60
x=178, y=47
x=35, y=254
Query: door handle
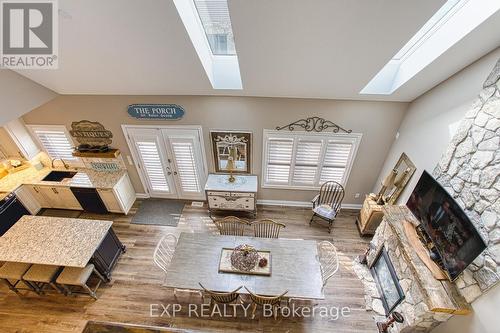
x=36, y=189
x=175, y=173
x=169, y=173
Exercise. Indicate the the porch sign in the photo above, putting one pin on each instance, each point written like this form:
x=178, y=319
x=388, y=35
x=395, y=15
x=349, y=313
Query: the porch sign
x=156, y=111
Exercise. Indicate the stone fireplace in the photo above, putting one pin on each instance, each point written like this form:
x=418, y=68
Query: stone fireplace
x=427, y=301
x=470, y=171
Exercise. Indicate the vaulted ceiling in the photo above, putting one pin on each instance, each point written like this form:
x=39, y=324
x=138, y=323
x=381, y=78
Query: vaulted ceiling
x=286, y=48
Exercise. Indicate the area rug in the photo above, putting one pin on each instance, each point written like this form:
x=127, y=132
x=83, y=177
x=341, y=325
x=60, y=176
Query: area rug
x=159, y=212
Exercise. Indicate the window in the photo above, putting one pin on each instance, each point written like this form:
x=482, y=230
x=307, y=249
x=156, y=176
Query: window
x=449, y=25
x=208, y=25
x=214, y=16
x=306, y=160
x=55, y=140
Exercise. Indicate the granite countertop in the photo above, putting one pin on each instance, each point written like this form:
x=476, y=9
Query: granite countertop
x=83, y=178
x=53, y=240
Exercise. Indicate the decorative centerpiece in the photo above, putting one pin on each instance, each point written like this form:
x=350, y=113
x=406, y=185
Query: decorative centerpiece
x=244, y=257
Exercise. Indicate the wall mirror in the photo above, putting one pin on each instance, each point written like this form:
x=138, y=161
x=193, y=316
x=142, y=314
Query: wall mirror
x=405, y=169
x=232, y=151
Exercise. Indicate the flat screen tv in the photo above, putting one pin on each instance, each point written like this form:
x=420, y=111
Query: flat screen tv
x=454, y=236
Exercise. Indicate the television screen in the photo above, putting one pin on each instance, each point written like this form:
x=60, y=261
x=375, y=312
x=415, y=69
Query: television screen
x=453, y=234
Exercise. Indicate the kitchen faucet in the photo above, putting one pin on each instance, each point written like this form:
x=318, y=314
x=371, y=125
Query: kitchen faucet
x=66, y=166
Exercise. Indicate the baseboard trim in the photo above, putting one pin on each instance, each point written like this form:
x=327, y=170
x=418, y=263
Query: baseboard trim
x=306, y=204
x=284, y=203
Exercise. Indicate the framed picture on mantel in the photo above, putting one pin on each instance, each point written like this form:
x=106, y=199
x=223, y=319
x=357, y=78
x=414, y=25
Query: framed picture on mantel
x=232, y=151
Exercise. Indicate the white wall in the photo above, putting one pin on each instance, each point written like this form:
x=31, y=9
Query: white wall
x=20, y=95
x=425, y=131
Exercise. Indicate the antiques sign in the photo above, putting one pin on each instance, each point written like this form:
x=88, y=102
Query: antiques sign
x=156, y=111
x=90, y=133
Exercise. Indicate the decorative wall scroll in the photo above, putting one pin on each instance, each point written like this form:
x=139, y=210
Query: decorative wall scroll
x=314, y=124
x=156, y=111
x=225, y=144
x=90, y=133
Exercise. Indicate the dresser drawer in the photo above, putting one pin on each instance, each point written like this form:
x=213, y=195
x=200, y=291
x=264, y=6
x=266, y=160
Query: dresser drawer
x=242, y=194
x=232, y=203
x=220, y=194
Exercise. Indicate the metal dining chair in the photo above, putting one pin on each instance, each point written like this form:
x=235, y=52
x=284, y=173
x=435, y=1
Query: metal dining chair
x=273, y=301
x=221, y=297
x=267, y=228
x=328, y=259
x=231, y=225
x=162, y=256
x=326, y=204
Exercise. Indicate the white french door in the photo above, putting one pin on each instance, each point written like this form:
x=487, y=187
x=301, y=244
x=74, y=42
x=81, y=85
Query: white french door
x=170, y=160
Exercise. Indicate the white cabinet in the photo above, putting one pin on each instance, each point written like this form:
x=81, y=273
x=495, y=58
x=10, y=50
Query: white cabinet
x=24, y=195
x=22, y=138
x=56, y=197
x=120, y=198
x=41, y=195
x=67, y=199
x=110, y=201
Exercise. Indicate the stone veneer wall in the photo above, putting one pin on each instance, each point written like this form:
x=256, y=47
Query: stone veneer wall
x=469, y=170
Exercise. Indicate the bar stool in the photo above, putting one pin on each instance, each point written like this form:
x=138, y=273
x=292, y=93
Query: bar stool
x=75, y=276
x=12, y=273
x=41, y=276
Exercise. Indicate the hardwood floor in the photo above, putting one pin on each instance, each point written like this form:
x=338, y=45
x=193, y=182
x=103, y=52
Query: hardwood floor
x=137, y=282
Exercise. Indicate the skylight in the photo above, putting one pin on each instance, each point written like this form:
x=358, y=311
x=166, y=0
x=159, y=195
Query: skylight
x=453, y=21
x=214, y=15
x=208, y=25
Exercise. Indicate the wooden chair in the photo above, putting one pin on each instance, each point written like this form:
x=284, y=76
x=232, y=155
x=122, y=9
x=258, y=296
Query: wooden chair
x=231, y=225
x=328, y=259
x=221, y=297
x=162, y=256
x=327, y=203
x=273, y=301
x=267, y=228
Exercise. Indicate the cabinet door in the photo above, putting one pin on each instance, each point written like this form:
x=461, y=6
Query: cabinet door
x=24, y=195
x=38, y=195
x=66, y=199
x=50, y=198
x=22, y=138
x=110, y=200
x=125, y=193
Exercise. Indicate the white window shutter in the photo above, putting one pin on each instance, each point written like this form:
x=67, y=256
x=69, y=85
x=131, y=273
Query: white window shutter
x=307, y=159
x=185, y=158
x=152, y=164
x=55, y=141
x=336, y=160
x=279, y=159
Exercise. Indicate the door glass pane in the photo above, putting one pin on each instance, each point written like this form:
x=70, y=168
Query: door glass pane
x=185, y=159
x=153, y=167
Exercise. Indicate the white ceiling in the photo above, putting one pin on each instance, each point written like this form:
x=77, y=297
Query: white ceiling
x=287, y=48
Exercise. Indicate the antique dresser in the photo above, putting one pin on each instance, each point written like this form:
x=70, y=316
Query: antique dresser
x=240, y=195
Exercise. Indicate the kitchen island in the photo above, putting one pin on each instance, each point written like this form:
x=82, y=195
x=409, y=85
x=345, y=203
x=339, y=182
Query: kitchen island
x=64, y=242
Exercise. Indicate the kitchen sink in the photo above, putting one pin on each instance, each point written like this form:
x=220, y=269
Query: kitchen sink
x=57, y=176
